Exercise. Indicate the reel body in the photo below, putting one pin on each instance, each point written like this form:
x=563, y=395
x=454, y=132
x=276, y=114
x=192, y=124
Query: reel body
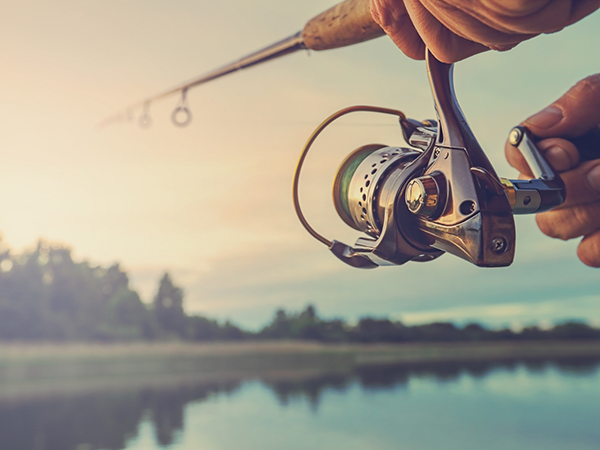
x=440, y=195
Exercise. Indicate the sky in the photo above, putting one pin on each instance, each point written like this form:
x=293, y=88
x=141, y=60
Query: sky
x=211, y=203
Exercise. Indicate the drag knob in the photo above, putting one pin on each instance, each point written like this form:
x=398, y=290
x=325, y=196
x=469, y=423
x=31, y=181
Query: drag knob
x=423, y=196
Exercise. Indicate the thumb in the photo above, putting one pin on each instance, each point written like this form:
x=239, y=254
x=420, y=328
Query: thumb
x=572, y=115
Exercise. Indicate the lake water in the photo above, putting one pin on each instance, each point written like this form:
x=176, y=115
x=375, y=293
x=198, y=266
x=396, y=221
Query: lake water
x=484, y=406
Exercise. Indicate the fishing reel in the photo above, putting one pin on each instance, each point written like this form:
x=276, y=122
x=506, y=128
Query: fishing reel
x=440, y=195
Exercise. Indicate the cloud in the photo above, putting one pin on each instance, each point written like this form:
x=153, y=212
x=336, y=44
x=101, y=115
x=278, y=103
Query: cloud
x=570, y=308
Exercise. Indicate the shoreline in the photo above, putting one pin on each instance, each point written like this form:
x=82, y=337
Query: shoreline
x=34, y=370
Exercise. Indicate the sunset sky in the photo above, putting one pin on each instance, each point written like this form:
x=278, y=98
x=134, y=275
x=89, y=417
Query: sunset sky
x=211, y=203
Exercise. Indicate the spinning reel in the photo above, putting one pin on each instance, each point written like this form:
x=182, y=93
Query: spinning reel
x=440, y=195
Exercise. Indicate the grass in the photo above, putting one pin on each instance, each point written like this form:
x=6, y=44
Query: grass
x=33, y=369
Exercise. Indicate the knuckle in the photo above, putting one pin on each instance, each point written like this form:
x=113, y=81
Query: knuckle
x=582, y=216
x=547, y=225
x=380, y=12
x=519, y=7
x=592, y=178
x=588, y=88
x=565, y=224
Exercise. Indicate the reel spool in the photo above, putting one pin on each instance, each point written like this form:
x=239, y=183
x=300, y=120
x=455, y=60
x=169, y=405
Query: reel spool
x=358, y=182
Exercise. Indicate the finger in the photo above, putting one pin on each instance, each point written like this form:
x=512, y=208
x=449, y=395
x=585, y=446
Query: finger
x=582, y=183
x=581, y=9
x=525, y=16
x=588, y=250
x=531, y=16
x=445, y=43
x=569, y=223
x=516, y=159
x=476, y=22
x=391, y=15
x=560, y=153
x=472, y=21
x=572, y=115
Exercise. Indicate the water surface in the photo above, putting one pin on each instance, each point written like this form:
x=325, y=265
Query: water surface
x=541, y=405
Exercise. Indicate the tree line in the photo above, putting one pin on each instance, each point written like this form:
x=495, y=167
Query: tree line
x=46, y=295
x=308, y=326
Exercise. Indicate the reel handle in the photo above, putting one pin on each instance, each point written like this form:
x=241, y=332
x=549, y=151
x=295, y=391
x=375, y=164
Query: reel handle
x=545, y=191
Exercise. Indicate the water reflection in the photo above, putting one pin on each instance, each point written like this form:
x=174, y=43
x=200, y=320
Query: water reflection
x=110, y=420
x=98, y=421
x=398, y=375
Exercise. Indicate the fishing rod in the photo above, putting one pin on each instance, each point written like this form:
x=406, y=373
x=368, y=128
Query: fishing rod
x=347, y=23
x=439, y=195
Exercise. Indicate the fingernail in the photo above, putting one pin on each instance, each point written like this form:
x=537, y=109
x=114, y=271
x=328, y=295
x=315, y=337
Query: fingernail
x=593, y=178
x=502, y=48
x=546, y=118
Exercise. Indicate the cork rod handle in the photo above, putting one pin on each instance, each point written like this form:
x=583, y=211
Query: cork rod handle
x=347, y=23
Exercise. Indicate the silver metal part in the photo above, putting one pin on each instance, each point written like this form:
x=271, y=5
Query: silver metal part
x=392, y=246
x=423, y=138
x=527, y=201
x=182, y=116
x=542, y=193
x=422, y=196
x=534, y=158
x=474, y=214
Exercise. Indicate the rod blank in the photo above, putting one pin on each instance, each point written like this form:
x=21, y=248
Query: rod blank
x=347, y=23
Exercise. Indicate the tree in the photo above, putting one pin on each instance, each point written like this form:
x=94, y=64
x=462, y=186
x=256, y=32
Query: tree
x=574, y=330
x=378, y=330
x=113, y=279
x=168, y=307
x=126, y=318
x=23, y=297
x=279, y=328
x=304, y=325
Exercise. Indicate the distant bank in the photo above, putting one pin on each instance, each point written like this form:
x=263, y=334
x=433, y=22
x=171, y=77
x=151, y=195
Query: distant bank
x=39, y=369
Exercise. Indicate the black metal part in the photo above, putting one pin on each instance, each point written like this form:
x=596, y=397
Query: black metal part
x=348, y=255
x=551, y=193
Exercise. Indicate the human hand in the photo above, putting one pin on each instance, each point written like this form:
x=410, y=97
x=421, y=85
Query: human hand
x=575, y=114
x=456, y=29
